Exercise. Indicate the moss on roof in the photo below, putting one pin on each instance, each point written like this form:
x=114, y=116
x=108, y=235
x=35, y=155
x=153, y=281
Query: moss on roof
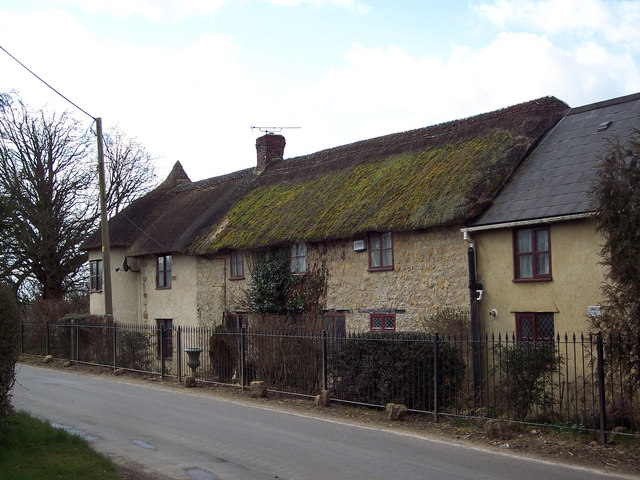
x=434, y=186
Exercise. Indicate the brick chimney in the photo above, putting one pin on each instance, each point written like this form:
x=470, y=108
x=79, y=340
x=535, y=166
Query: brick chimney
x=269, y=147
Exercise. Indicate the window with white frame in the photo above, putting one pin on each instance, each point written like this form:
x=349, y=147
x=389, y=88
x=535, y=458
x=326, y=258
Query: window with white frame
x=95, y=278
x=299, y=258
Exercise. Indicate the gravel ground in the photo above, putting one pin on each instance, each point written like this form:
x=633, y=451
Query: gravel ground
x=621, y=455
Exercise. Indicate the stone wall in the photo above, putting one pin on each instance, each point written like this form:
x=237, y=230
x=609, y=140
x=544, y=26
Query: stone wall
x=430, y=273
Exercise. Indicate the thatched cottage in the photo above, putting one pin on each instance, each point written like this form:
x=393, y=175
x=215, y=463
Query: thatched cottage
x=380, y=220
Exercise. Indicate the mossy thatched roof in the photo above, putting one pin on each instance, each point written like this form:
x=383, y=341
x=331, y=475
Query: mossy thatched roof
x=440, y=175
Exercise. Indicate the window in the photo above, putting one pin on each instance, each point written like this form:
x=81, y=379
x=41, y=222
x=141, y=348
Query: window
x=383, y=322
x=95, y=281
x=534, y=327
x=299, y=258
x=334, y=325
x=380, y=251
x=163, y=278
x=532, y=254
x=237, y=265
x=165, y=337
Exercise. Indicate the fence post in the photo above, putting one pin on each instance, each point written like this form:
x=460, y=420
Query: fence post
x=77, y=352
x=72, y=334
x=115, y=346
x=22, y=337
x=179, y=352
x=324, y=360
x=436, y=371
x=162, y=350
x=46, y=340
x=243, y=356
x=603, y=410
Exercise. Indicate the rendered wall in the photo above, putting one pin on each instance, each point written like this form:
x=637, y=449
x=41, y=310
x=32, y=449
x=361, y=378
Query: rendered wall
x=124, y=290
x=576, y=272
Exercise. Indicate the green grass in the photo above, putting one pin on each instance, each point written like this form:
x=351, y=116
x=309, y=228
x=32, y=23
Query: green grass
x=31, y=449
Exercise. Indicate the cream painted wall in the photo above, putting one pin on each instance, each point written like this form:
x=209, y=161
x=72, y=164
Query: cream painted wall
x=136, y=298
x=178, y=302
x=124, y=288
x=576, y=272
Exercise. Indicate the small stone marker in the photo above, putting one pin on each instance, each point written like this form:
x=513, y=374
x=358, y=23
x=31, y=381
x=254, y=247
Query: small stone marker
x=47, y=359
x=258, y=389
x=190, y=382
x=396, y=411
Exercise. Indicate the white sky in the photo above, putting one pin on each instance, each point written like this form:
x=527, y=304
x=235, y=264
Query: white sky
x=188, y=78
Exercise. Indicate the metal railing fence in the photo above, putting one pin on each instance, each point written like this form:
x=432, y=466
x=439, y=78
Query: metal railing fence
x=586, y=382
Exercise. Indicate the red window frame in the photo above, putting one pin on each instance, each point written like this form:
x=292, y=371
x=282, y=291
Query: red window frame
x=95, y=275
x=163, y=271
x=237, y=265
x=534, y=321
x=335, y=325
x=382, y=318
x=380, y=256
x=534, y=254
x=165, y=337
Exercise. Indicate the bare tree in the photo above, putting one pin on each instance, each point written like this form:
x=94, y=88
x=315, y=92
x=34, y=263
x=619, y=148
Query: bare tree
x=48, y=183
x=130, y=170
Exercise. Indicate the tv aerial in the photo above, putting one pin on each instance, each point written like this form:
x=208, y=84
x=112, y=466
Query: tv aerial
x=271, y=130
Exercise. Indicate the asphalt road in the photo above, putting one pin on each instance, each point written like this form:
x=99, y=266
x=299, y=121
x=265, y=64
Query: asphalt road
x=181, y=435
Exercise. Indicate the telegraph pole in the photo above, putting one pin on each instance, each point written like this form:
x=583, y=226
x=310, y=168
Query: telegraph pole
x=106, y=259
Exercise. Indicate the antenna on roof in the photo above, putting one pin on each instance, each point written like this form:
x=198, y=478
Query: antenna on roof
x=269, y=130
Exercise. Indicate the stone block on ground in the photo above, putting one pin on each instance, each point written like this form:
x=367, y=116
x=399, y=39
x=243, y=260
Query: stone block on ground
x=47, y=359
x=396, y=411
x=258, y=389
x=190, y=382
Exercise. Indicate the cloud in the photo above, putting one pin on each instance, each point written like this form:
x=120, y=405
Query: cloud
x=384, y=90
x=617, y=23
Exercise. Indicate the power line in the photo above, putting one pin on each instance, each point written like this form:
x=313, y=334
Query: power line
x=39, y=78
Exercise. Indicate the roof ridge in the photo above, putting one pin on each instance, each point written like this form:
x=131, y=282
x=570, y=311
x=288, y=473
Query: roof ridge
x=605, y=103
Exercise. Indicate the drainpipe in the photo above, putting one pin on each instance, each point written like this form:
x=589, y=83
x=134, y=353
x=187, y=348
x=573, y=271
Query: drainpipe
x=474, y=291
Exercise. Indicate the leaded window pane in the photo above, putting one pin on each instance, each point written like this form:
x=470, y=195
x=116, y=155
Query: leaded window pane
x=526, y=328
x=545, y=325
x=389, y=323
x=376, y=323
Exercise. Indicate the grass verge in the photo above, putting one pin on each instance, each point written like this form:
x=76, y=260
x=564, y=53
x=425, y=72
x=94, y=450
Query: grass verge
x=31, y=449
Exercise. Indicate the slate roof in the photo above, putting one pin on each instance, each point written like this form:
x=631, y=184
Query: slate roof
x=438, y=175
x=556, y=178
